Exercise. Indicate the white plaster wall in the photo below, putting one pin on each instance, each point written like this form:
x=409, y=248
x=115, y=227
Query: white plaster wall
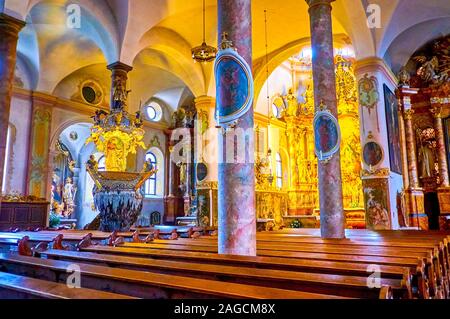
x=20, y=117
x=376, y=123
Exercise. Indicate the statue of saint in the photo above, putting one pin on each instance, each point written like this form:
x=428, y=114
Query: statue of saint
x=148, y=166
x=426, y=160
x=120, y=93
x=182, y=167
x=69, y=196
x=92, y=163
x=292, y=103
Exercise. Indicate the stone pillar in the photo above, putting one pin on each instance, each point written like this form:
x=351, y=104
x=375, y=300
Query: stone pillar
x=436, y=109
x=414, y=194
x=172, y=201
x=332, y=218
x=444, y=188
x=206, y=147
x=237, y=212
x=119, y=80
x=39, y=172
x=9, y=34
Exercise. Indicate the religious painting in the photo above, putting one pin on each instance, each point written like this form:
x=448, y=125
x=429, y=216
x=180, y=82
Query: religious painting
x=201, y=171
x=376, y=201
x=327, y=135
x=234, y=86
x=393, y=129
x=372, y=154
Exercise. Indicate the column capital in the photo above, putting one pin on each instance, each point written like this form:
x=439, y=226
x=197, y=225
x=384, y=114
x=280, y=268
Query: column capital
x=10, y=25
x=436, y=110
x=374, y=65
x=408, y=114
x=315, y=3
x=205, y=101
x=119, y=66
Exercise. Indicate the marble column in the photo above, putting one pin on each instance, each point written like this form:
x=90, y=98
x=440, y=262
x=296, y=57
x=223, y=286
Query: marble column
x=9, y=34
x=436, y=109
x=332, y=218
x=236, y=202
x=414, y=194
x=206, y=147
x=119, y=80
x=172, y=200
x=444, y=188
x=411, y=147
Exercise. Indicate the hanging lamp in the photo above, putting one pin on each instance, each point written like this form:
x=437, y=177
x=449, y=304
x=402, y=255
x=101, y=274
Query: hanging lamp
x=204, y=53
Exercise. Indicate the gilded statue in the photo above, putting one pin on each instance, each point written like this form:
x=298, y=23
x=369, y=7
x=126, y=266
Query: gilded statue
x=292, y=103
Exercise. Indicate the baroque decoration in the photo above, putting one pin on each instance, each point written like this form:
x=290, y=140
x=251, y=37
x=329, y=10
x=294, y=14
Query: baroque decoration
x=118, y=194
x=234, y=79
x=302, y=188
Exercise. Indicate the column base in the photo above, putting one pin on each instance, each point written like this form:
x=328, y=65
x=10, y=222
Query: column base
x=444, y=222
x=444, y=200
x=415, y=204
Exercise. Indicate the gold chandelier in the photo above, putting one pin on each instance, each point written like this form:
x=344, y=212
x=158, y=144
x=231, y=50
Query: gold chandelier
x=204, y=53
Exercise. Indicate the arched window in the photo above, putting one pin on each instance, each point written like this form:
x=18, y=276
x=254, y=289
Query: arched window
x=7, y=162
x=150, y=184
x=279, y=171
x=154, y=112
x=101, y=163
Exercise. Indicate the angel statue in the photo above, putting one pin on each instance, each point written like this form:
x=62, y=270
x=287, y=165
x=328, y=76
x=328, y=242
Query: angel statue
x=428, y=70
x=403, y=77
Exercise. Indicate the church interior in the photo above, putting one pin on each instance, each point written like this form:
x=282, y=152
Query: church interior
x=257, y=149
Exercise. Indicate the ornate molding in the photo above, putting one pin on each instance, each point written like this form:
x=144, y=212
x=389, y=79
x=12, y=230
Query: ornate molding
x=10, y=26
x=436, y=111
x=376, y=173
x=408, y=114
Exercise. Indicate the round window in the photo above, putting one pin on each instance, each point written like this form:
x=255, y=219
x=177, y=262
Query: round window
x=154, y=112
x=89, y=94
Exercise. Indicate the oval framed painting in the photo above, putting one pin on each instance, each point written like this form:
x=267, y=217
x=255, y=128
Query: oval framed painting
x=201, y=171
x=234, y=85
x=327, y=135
x=372, y=153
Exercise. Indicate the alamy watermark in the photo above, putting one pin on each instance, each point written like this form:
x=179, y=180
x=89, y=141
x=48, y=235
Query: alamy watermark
x=373, y=16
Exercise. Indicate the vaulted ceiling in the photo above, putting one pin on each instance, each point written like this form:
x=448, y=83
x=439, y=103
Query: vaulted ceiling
x=155, y=37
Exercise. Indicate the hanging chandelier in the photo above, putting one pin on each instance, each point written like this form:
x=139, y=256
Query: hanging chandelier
x=204, y=53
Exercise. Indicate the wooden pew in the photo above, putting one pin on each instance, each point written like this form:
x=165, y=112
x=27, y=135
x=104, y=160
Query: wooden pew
x=146, y=284
x=409, y=259
x=419, y=280
x=318, y=280
x=438, y=260
x=19, y=287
